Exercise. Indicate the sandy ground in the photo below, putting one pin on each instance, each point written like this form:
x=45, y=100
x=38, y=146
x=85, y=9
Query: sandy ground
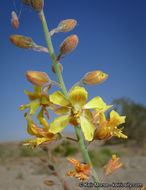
x=29, y=173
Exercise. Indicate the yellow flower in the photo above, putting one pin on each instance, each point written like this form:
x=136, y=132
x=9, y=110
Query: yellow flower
x=37, y=141
x=108, y=128
x=76, y=110
x=37, y=98
x=42, y=134
x=112, y=166
x=82, y=171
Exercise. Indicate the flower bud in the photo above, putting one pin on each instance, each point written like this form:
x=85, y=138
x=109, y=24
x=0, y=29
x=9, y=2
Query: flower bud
x=92, y=78
x=22, y=42
x=37, y=78
x=66, y=25
x=49, y=182
x=14, y=20
x=43, y=159
x=68, y=45
x=37, y=5
x=53, y=159
x=26, y=2
x=60, y=67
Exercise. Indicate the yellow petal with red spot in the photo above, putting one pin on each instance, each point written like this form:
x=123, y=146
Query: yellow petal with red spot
x=42, y=119
x=59, y=124
x=59, y=99
x=30, y=126
x=87, y=128
x=78, y=95
x=37, y=141
x=61, y=111
x=31, y=95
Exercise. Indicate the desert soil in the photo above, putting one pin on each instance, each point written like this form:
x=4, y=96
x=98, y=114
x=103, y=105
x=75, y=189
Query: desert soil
x=29, y=172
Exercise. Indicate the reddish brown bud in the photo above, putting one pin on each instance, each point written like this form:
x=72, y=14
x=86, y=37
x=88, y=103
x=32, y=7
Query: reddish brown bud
x=53, y=159
x=43, y=159
x=37, y=5
x=55, y=173
x=22, y=42
x=60, y=67
x=26, y=2
x=14, y=20
x=66, y=25
x=68, y=45
x=49, y=182
x=51, y=167
x=37, y=78
x=92, y=78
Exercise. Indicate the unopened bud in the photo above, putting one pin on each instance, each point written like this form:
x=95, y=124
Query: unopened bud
x=22, y=42
x=60, y=67
x=43, y=159
x=49, y=182
x=95, y=77
x=37, y=5
x=53, y=159
x=14, y=20
x=51, y=167
x=37, y=78
x=26, y=2
x=68, y=45
x=66, y=25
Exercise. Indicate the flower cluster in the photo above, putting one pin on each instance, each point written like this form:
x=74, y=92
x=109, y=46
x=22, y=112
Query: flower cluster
x=72, y=107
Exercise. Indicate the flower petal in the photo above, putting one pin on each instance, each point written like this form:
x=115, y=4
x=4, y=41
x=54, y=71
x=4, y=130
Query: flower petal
x=59, y=99
x=42, y=119
x=34, y=106
x=59, y=124
x=98, y=104
x=31, y=95
x=61, y=111
x=116, y=119
x=37, y=141
x=31, y=126
x=87, y=128
x=78, y=95
x=38, y=90
x=73, y=161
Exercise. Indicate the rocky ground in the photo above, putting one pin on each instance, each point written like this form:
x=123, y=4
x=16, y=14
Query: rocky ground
x=21, y=169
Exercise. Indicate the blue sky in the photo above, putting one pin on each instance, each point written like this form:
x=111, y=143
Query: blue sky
x=112, y=38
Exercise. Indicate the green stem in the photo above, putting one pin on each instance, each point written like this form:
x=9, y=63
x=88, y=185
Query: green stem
x=85, y=153
x=52, y=54
x=64, y=91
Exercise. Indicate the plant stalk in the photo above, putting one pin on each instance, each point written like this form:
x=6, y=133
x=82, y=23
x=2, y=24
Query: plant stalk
x=64, y=91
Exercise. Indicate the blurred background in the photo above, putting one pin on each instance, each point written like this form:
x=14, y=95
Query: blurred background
x=112, y=38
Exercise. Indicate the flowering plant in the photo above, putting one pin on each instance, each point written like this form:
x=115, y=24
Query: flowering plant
x=71, y=106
